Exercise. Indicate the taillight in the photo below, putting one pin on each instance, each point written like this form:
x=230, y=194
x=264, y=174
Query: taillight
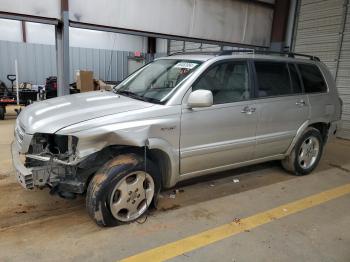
x=341, y=106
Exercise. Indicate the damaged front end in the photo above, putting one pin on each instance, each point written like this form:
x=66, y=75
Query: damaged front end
x=50, y=161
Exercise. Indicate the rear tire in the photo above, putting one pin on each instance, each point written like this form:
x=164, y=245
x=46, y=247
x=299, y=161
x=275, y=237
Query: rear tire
x=122, y=190
x=2, y=113
x=306, y=153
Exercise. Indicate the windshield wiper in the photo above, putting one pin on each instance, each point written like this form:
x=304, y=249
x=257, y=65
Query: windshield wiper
x=138, y=97
x=129, y=94
x=125, y=92
x=151, y=100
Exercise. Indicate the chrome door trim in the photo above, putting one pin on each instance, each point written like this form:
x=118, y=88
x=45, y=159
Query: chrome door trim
x=275, y=137
x=301, y=103
x=216, y=147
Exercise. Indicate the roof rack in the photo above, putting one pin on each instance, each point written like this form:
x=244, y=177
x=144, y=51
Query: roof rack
x=251, y=51
x=268, y=52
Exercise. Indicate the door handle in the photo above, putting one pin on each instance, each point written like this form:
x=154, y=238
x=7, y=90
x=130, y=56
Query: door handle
x=300, y=103
x=248, y=110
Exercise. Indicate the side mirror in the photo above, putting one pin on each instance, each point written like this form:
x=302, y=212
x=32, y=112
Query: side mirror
x=200, y=98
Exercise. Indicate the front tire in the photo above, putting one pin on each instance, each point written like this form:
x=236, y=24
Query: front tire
x=122, y=190
x=306, y=153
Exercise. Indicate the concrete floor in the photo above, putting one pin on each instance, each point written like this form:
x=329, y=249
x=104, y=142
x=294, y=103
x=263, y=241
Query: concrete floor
x=35, y=226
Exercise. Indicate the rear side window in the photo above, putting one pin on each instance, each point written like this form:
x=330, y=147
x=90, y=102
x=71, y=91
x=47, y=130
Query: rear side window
x=294, y=77
x=273, y=79
x=312, y=78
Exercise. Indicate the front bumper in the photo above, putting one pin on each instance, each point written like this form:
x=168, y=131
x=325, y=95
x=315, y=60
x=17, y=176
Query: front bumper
x=45, y=175
x=23, y=174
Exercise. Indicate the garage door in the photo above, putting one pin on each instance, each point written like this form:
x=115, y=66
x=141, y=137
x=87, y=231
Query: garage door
x=319, y=31
x=185, y=46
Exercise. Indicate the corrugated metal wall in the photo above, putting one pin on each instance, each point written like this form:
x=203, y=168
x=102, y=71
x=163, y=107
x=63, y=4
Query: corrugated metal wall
x=343, y=74
x=106, y=64
x=318, y=27
x=319, y=31
x=36, y=62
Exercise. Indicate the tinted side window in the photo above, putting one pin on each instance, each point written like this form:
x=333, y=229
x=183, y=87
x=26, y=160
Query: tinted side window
x=312, y=78
x=294, y=77
x=273, y=79
x=227, y=81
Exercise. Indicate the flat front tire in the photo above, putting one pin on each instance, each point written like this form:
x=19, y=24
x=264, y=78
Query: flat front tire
x=122, y=190
x=306, y=153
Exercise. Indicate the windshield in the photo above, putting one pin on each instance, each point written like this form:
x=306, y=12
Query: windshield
x=155, y=81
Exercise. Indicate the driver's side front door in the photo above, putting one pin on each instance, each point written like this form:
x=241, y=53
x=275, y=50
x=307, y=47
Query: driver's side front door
x=221, y=136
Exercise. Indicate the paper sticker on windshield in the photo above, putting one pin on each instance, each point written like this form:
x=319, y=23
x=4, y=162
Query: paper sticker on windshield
x=185, y=65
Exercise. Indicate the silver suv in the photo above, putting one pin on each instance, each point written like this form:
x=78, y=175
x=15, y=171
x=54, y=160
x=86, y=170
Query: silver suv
x=176, y=118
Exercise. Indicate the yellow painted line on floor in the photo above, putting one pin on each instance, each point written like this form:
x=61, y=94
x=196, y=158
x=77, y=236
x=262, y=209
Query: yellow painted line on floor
x=210, y=236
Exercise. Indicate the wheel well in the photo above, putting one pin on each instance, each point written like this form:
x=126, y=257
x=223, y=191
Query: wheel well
x=159, y=157
x=89, y=166
x=323, y=128
x=162, y=161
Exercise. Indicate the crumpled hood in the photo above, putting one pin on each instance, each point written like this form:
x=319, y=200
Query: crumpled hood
x=54, y=114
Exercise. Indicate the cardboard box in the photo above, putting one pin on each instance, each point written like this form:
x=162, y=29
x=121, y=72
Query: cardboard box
x=85, y=80
x=103, y=86
x=100, y=85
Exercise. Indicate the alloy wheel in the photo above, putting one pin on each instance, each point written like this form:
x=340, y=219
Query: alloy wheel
x=131, y=196
x=308, y=152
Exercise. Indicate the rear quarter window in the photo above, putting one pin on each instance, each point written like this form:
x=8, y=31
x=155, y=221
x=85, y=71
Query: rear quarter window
x=312, y=78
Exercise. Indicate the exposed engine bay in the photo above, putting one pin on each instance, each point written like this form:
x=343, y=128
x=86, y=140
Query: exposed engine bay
x=52, y=159
x=53, y=162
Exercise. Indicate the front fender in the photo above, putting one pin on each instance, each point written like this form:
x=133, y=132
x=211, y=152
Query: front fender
x=172, y=176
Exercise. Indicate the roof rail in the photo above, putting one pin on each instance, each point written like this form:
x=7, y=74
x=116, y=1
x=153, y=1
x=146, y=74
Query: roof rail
x=251, y=51
x=268, y=52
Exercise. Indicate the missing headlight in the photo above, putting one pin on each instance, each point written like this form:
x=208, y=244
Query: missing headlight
x=50, y=144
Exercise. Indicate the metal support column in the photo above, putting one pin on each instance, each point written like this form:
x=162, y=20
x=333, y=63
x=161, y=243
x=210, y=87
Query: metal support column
x=24, y=31
x=62, y=51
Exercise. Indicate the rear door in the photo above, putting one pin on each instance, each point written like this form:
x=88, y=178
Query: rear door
x=322, y=107
x=283, y=106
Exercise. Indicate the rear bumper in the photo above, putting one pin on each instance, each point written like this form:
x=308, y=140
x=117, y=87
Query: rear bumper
x=334, y=129
x=23, y=174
